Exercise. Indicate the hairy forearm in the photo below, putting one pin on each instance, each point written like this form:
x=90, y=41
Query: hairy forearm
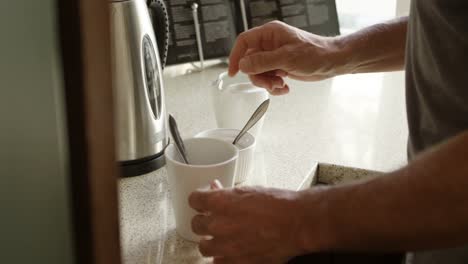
x=378, y=48
x=422, y=206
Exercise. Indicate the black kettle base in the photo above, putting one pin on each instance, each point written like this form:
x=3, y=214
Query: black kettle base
x=142, y=166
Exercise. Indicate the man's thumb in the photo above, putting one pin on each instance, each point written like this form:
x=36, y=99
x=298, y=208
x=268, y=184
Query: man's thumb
x=262, y=61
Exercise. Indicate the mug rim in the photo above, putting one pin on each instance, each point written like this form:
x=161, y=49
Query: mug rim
x=171, y=145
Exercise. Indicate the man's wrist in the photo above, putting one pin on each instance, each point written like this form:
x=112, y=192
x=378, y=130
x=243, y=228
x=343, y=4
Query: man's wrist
x=315, y=232
x=343, y=55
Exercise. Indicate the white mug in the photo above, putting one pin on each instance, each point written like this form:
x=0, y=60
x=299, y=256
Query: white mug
x=235, y=99
x=209, y=159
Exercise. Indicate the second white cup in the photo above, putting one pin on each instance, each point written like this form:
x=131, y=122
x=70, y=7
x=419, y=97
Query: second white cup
x=235, y=99
x=246, y=146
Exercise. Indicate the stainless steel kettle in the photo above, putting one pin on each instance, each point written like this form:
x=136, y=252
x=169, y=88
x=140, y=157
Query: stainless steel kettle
x=138, y=57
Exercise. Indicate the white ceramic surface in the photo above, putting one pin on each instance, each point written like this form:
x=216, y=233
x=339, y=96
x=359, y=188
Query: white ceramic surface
x=235, y=99
x=246, y=146
x=209, y=159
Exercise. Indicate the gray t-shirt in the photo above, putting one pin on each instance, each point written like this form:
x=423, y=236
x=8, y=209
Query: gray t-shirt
x=437, y=88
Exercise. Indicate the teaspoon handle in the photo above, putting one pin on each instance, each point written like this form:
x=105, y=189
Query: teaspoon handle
x=257, y=115
x=177, y=139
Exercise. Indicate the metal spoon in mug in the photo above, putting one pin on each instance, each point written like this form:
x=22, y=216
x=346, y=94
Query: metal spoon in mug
x=261, y=110
x=177, y=139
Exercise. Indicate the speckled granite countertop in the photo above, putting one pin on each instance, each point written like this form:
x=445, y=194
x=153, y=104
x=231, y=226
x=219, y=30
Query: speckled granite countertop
x=299, y=129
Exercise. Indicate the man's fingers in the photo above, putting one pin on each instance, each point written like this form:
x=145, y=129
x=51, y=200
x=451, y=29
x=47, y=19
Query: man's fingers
x=213, y=225
x=279, y=73
x=242, y=260
x=274, y=84
x=250, y=39
x=248, y=260
x=263, y=61
x=233, y=260
x=200, y=224
x=201, y=200
x=221, y=246
x=260, y=81
x=280, y=91
x=210, y=200
x=267, y=81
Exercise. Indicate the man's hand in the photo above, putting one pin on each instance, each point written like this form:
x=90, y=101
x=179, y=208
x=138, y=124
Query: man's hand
x=248, y=225
x=276, y=50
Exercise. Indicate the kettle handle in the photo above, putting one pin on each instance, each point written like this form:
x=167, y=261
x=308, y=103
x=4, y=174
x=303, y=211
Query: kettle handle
x=160, y=20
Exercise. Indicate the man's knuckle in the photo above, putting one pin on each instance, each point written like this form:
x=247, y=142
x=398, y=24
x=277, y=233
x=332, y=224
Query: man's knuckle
x=215, y=199
x=274, y=23
x=242, y=37
x=262, y=59
x=253, y=62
